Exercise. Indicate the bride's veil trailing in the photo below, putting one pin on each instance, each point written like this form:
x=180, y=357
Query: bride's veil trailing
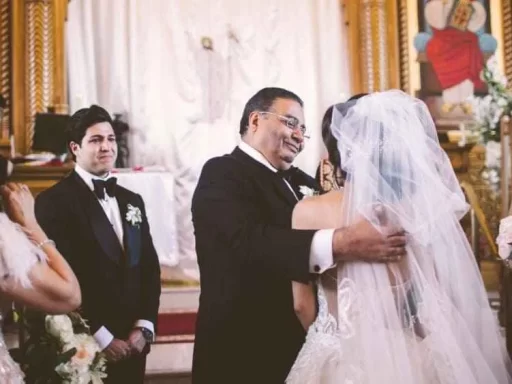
x=426, y=319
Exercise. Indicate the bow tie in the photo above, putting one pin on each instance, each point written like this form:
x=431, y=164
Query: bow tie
x=100, y=186
x=287, y=175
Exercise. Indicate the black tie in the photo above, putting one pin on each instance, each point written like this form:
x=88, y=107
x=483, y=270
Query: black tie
x=287, y=175
x=100, y=186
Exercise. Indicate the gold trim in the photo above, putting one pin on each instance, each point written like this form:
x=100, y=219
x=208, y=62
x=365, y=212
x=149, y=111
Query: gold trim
x=403, y=46
x=392, y=45
x=60, y=99
x=507, y=39
x=496, y=7
x=18, y=75
x=354, y=44
x=5, y=66
x=40, y=63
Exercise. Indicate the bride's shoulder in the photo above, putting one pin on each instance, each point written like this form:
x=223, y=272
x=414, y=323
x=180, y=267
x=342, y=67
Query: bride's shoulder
x=313, y=202
x=317, y=212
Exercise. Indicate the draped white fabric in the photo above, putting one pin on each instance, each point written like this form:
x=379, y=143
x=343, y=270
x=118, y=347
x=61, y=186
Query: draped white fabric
x=184, y=102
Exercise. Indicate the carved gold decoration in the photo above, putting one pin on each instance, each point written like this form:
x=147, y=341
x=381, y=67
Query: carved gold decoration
x=5, y=67
x=60, y=98
x=39, y=31
x=373, y=41
x=403, y=44
x=507, y=39
x=39, y=74
x=18, y=122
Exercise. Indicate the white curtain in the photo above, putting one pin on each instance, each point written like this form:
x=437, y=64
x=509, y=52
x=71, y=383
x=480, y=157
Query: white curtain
x=146, y=59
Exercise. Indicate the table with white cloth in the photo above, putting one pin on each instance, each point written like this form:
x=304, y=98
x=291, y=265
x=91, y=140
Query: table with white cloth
x=157, y=191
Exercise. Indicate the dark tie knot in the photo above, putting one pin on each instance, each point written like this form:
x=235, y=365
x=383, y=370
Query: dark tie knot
x=100, y=186
x=287, y=175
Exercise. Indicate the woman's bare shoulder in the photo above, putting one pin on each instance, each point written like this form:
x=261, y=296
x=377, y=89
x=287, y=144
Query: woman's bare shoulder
x=317, y=212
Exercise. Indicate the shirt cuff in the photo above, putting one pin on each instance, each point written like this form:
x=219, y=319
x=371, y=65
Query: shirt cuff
x=320, y=255
x=103, y=337
x=146, y=324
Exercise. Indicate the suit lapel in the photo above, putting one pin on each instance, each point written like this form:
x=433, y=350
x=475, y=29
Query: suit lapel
x=131, y=233
x=100, y=225
x=284, y=191
x=278, y=183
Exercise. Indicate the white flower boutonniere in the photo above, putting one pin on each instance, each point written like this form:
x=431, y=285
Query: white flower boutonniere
x=307, y=192
x=133, y=215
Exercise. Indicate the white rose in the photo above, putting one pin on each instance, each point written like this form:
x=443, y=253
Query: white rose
x=492, y=154
x=59, y=326
x=86, y=349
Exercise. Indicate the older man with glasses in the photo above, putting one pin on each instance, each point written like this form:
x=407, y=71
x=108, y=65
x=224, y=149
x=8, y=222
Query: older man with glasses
x=247, y=330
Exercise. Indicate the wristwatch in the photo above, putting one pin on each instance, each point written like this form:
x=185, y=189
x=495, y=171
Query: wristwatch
x=148, y=335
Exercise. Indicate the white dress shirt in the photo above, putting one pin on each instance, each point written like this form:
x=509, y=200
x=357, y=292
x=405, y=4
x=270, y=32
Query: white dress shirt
x=109, y=204
x=320, y=254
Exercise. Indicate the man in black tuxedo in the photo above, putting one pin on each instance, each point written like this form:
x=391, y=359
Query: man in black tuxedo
x=102, y=230
x=248, y=255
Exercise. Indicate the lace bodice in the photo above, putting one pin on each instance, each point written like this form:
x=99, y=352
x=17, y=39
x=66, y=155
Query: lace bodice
x=330, y=352
x=10, y=372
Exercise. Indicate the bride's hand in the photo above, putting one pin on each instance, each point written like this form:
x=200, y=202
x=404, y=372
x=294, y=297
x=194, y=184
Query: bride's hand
x=19, y=204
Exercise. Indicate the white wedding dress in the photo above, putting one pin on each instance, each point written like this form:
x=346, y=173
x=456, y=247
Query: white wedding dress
x=17, y=256
x=427, y=319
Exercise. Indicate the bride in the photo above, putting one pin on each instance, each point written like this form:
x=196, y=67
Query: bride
x=33, y=272
x=423, y=320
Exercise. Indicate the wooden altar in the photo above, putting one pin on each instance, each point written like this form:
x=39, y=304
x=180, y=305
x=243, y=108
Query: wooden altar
x=39, y=178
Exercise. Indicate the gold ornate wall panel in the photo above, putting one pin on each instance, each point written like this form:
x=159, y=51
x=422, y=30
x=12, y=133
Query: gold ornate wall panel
x=37, y=65
x=5, y=68
x=403, y=44
x=373, y=42
x=39, y=61
x=507, y=39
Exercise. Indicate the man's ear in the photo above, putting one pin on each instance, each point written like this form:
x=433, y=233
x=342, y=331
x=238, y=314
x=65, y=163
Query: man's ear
x=74, y=147
x=254, y=120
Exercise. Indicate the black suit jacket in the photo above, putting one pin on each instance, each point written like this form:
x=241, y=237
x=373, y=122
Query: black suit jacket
x=248, y=255
x=118, y=286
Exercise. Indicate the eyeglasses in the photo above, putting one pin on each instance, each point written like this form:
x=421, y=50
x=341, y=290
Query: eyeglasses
x=290, y=122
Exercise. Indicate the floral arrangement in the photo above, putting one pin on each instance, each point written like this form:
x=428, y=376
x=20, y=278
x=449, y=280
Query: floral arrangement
x=488, y=110
x=59, y=349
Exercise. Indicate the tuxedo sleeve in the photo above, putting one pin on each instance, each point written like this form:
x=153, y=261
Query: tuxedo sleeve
x=53, y=215
x=225, y=204
x=150, y=270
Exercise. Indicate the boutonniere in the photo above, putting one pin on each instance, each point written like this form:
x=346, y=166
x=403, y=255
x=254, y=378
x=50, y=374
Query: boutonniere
x=308, y=192
x=133, y=215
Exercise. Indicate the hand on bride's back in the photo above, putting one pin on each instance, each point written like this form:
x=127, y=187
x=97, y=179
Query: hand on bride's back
x=19, y=204
x=361, y=241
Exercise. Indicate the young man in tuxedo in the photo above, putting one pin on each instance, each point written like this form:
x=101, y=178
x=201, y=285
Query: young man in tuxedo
x=102, y=230
x=247, y=331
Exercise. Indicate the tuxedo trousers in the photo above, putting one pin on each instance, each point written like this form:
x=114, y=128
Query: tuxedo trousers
x=128, y=371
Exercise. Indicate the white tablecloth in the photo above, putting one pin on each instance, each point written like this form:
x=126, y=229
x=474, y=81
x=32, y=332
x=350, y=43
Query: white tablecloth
x=157, y=190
